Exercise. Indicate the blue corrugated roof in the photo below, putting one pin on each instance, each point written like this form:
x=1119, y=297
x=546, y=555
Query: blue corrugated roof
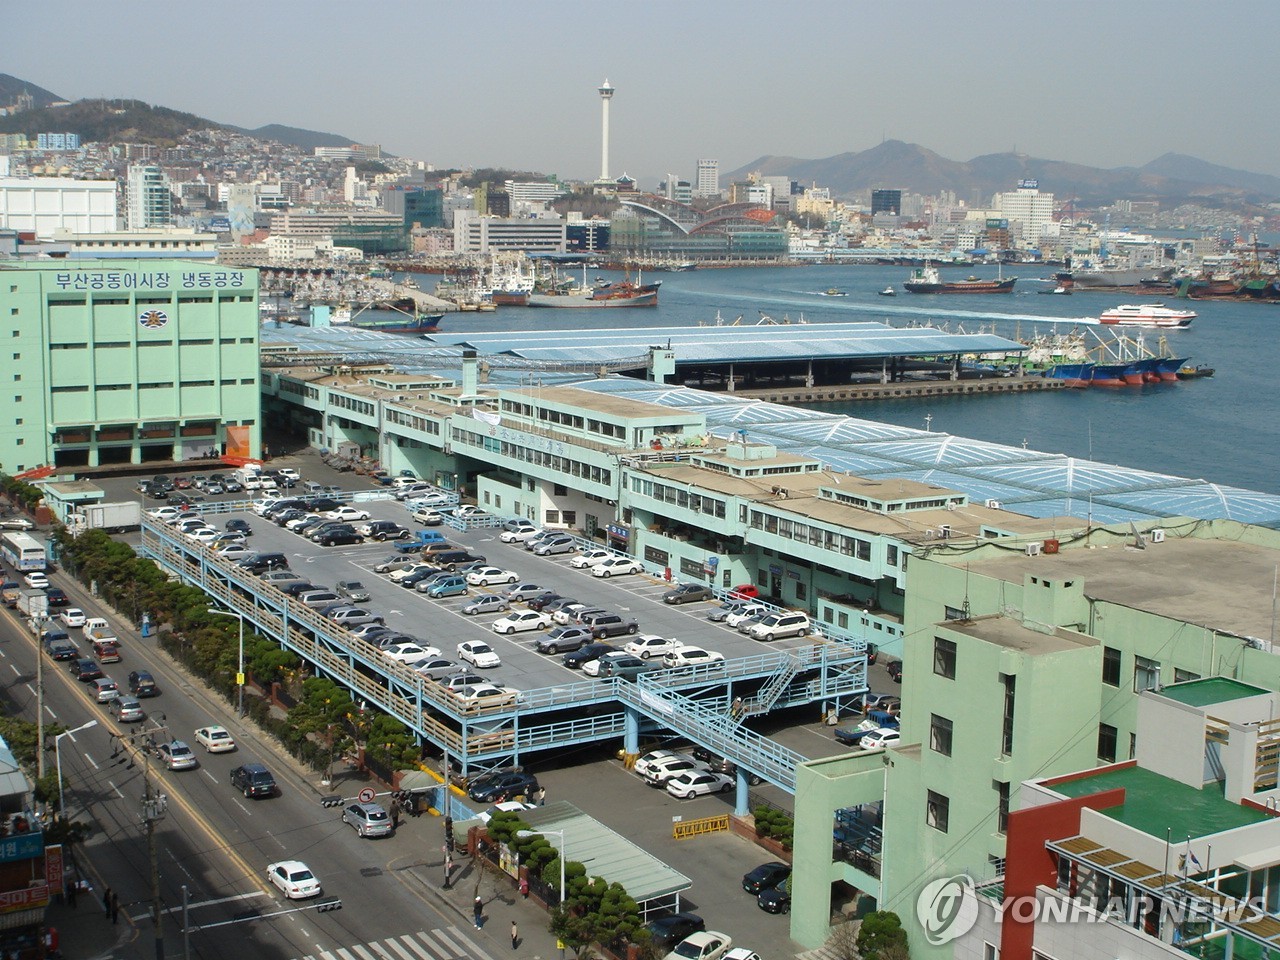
x=729, y=344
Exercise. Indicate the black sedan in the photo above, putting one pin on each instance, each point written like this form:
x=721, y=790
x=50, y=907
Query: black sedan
x=541, y=600
x=86, y=670
x=666, y=931
x=54, y=597
x=239, y=526
x=775, y=899
x=585, y=654
x=765, y=876
x=496, y=787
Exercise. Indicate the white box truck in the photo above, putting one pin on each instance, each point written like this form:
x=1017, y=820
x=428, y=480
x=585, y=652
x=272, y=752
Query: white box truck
x=112, y=517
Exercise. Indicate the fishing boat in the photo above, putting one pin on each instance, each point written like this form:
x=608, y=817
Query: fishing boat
x=928, y=280
x=1198, y=372
x=1059, y=290
x=833, y=292
x=1147, y=315
x=888, y=292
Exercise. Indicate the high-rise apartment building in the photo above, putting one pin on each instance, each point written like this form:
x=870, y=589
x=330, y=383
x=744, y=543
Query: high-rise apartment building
x=707, y=182
x=886, y=201
x=148, y=202
x=1029, y=212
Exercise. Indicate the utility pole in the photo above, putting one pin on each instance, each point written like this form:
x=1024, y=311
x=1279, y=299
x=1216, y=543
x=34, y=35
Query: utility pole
x=154, y=807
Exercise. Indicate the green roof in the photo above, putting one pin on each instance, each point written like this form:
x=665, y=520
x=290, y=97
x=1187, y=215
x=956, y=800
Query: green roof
x=1161, y=807
x=1201, y=693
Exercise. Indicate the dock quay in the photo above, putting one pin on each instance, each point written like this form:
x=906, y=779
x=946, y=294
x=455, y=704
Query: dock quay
x=424, y=302
x=839, y=393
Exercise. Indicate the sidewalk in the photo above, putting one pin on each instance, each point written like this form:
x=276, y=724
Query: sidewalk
x=502, y=901
x=85, y=932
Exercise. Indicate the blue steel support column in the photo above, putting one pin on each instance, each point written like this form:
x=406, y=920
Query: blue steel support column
x=741, y=802
x=630, y=735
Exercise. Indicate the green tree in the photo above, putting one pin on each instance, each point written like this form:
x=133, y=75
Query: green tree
x=881, y=937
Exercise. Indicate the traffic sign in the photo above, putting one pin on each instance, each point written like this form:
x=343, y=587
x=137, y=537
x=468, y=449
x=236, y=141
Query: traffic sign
x=366, y=795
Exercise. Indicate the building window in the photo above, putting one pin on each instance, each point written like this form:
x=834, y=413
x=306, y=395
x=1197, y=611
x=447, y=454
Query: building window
x=1107, y=742
x=1146, y=674
x=944, y=658
x=569, y=517
x=1006, y=733
x=1133, y=746
x=937, y=811
x=553, y=516
x=990, y=951
x=1182, y=676
x=1002, y=805
x=20, y=441
x=1111, y=666
x=953, y=613
x=940, y=735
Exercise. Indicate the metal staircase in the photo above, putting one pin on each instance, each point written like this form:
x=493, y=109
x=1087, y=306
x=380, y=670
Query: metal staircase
x=708, y=722
x=765, y=700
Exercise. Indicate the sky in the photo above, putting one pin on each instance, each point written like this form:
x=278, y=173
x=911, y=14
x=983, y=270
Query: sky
x=513, y=84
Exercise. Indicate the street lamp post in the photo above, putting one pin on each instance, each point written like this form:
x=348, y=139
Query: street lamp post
x=526, y=834
x=57, y=756
x=240, y=668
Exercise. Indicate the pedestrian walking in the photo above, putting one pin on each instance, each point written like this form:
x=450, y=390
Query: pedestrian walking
x=524, y=887
x=395, y=816
x=72, y=887
x=477, y=911
x=515, y=935
x=115, y=907
x=106, y=904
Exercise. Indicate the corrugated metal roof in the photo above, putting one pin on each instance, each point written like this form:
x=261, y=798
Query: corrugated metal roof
x=604, y=853
x=729, y=344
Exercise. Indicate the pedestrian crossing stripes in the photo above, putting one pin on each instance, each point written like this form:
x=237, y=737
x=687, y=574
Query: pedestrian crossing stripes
x=448, y=943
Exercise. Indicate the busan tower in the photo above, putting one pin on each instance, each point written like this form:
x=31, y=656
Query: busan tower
x=606, y=94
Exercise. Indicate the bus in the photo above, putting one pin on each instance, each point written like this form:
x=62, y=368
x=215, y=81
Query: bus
x=22, y=552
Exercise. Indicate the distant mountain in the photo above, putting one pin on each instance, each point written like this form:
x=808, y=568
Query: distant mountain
x=131, y=120
x=294, y=136
x=11, y=88
x=96, y=121
x=908, y=166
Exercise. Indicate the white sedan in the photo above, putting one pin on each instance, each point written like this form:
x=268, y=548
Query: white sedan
x=617, y=565
x=347, y=513
x=215, y=739
x=479, y=654
x=521, y=620
x=36, y=580
x=490, y=575
x=409, y=652
x=294, y=879
x=690, y=784
x=651, y=645
x=589, y=558
x=72, y=617
x=884, y=737
x=204, y=535
x=520, y=535
x=688, y=656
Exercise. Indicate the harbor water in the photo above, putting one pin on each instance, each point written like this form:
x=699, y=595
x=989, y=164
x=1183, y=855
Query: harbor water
x=1224, y=429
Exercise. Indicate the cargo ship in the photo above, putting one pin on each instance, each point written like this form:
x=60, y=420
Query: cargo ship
x=615, y=295
x=927, y=280
x=1147, y=315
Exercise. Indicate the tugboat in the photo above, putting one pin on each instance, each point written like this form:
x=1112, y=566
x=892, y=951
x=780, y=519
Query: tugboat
x=1198, y=372
x=888, y=292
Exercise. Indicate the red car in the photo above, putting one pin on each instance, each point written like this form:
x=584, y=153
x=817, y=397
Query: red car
x=745, y=591
x=182, y=483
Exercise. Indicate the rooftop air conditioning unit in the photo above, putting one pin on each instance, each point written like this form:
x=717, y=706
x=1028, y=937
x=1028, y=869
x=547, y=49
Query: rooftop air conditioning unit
x=994, y=505
x=1033, y=549
x=1157, y=535
x=930, y=534
x=944, y=530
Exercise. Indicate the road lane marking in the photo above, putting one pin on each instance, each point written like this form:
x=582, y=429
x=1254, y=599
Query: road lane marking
x=90, y=759
x=242, y=807
x=210, y=776
x=16, y=671
x=116, y=789
x=30, y=689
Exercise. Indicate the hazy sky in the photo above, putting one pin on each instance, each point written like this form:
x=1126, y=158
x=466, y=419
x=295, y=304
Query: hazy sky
x=512, y=83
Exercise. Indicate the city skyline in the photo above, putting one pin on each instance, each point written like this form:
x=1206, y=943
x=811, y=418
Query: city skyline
x=1097, y=84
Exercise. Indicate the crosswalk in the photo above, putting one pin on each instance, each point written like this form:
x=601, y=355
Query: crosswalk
x=448, y=943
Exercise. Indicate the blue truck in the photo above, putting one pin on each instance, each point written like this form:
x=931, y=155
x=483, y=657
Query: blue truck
x=420, y=539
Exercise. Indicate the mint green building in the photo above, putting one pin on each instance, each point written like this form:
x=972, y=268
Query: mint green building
x=128, y=361
x=1022, y=663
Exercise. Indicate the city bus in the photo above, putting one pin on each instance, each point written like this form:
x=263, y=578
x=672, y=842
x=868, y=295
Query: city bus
x=22, y=552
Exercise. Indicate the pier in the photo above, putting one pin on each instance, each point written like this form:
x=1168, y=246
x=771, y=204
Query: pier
x=839, y=393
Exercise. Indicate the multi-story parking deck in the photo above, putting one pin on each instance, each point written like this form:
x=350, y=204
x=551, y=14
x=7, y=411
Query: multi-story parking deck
x=564, y=708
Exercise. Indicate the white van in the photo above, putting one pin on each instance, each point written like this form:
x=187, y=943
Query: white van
x=247, y=472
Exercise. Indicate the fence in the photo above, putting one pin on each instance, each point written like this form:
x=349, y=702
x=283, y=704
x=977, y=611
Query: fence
x=683, y=829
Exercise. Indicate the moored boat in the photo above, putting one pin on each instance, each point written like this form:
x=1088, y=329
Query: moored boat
x=649, y=299
x=1198, y=372
x=1147, y=315
x=423, y=323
